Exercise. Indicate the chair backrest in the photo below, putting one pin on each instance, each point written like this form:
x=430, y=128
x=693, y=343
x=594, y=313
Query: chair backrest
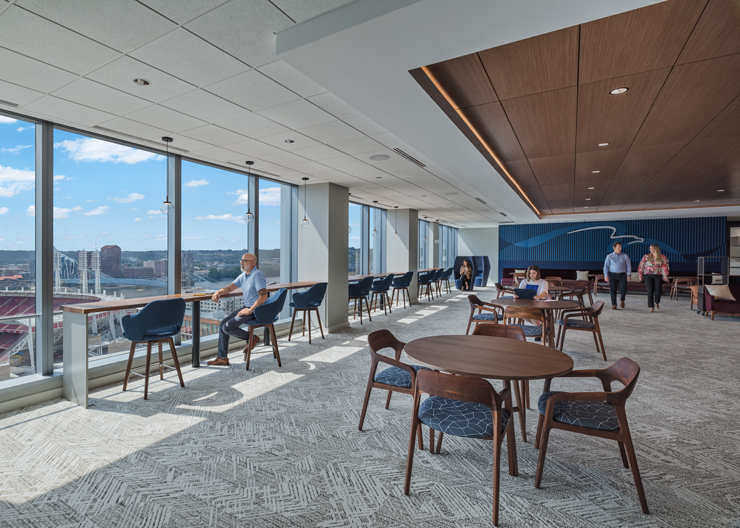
x=499, y=330
x=156, y=314
x=404, y=281
x=269, y=311
x=460, y=388
x=517, y=312
x=362, y=288
x=626, y=372
x=381, y=339
x=475, y=302
x=425, y=277
x=694, y=294
x=448, y=273
x=595, y=309
x=315, y=294
x=383, y=284
x=438, y=274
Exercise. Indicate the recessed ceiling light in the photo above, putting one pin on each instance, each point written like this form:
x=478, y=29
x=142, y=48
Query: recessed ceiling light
x=588, y=199
x=289, y=141
x=603, y=144
x=697, y=201
x=450, y=194
x=591, y=188
x=380, y=157
x=595, y=172
x=141, y=82
x=618, y=91
x=586, y=207
x=720, y=190
x=378, y=177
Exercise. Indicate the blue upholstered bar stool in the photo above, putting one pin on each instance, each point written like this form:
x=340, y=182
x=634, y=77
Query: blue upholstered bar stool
x=401, y=287
x=157, y=322
x=307, y=302
x=380, y=289
x=437, y=280
x=359, y=291
x=425, y=280
x=265, y=316
x=446, y=276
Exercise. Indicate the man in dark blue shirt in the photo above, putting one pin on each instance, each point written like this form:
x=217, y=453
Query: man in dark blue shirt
x=617, y=270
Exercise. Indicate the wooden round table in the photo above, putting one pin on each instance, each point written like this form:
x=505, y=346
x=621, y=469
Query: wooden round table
x=547, y=307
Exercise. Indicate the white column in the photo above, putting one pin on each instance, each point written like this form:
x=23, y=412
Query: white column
x=323, y=247
x=403, y=250
x=434, y=235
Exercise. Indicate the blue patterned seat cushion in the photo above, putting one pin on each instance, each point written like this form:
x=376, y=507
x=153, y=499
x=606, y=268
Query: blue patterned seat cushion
x=459, y=418
x=488, y=316
x=397, y=377
x=532, y=330
x=592, y=415
x=578, y=323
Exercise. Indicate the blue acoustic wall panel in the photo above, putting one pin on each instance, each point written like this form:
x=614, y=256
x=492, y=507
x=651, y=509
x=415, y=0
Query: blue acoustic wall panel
x=584, y=245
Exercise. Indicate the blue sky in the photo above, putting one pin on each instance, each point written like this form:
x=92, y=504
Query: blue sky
x=105, y=193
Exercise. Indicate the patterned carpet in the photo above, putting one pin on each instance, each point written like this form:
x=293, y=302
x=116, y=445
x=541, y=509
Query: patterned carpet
x=280, y=447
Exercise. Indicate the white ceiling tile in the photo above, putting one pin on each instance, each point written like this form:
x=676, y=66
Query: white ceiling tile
x=214, y=135
x=101, y=21
x=392, y=156
x=120, y=74
x=308, y=167
x=301, y=10
x=43, y=40
x=182, y=54
x=68, y=111
x=366, y=125
x=332, y=132
x=90, y=93
x=252, y=147
x=318, y=153
x=291, y=78
x=207, y=107
x=253, y=91
x=18, y=94
x=165, y=118
x=252, y=125
x=390, y=141
x=186, y=143
x=357, y=145
x=298, y=114
x=345, y=163
x=24, y=71
x=283, y=158
x=259, y=164
x=334, y=105
x=136, y=129
x=220, y=154
x=299, y=141
x=182, y=11
x=243, y=28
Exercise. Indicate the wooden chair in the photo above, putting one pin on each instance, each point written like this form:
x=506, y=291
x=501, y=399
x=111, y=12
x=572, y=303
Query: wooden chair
x=600, y=414
x=509, y=332
x=503, y=290
x=398, y=377
x=517, y=313
x=694, y=296
x=469, y=395
x=555, y=281
x=589, y=322
x=492, y=315
x=579, y=295
x=598, y=285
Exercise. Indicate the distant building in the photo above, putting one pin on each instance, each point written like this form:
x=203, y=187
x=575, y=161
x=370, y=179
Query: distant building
x=138, y=273
x=110, y=261
x=159, y=267
x=187, y=260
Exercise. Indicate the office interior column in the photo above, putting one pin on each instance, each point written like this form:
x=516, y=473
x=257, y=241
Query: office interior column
x=434, y=236
x=403, y=250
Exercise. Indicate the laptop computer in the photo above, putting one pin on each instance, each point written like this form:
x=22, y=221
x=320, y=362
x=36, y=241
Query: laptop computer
x=523, y=293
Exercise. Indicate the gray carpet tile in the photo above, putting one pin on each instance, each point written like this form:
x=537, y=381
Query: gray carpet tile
x=279, y=447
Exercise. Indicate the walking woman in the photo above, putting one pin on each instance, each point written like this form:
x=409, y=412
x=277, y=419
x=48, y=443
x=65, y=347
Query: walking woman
x=654, y=267
x=466, y=271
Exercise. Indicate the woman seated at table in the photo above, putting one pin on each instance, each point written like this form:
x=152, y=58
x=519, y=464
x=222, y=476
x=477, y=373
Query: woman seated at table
x=534, y=280
x=466, y=271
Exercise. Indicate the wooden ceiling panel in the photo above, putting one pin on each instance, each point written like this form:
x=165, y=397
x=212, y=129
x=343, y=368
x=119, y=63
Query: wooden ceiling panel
x=693, y=95
x=465, y=81
x=717, y=33
x=596, y=195
x=545, y=123
x=559, y=196
x=638, y=167
x=615, y=119
x=522, y=173
x=554, y=169
x=538, y=64
x=607, y=162
x=637, y=41
x=725, y=124
x=492, y=124
x=704, y=155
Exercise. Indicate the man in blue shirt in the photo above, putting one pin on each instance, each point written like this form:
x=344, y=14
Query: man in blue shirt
x=254, y=290
x=617, y=270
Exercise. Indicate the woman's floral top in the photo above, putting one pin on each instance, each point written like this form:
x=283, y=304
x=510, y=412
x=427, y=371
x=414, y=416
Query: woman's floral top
x=647, y=267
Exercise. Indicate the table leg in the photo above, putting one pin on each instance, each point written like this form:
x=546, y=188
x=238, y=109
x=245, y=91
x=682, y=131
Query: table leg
x=510, y=441
x=74, y=380
x=195, y=363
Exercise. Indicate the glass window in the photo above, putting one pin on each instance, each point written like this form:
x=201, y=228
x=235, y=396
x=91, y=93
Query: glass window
x=17, y=248
x=270, y=197
x=424, y=257
x=355, y=239
x=110, y=238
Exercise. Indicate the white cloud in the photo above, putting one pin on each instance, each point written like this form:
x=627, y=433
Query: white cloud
x=3, y=210
x=128, y=199
x=14, y=181
x=14, y=150
x=61, y=212
x=31, y=211
x=78, y=208
x=21, y=129
x=4, y=119
x=197, y=183
x=89, y=201
x=59, y=177
x=243, y=198
x=98, y=211
x=90, y=149
x=137, y=219
x=154, y=212
x=227, y=217
x=270, y=196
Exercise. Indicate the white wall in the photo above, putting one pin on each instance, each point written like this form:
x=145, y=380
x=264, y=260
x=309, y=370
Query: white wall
x=480, y=242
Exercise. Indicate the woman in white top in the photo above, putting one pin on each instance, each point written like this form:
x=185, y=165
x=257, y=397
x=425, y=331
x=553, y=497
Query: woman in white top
x=534, y=279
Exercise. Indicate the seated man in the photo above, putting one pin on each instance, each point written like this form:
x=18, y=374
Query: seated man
x=254, y=289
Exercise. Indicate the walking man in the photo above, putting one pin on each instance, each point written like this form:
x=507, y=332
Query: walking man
x=254, y=290
x=617, y=271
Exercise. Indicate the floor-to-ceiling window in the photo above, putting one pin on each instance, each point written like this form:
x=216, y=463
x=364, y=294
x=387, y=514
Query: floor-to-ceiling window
x=367, y=235
x=447, y=245
x=355, y=239
x=17, y=248
x=425, y=260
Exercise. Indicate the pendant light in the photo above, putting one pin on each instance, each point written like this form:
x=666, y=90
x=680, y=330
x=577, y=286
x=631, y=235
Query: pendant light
x=375, y=230
x=350, y=229
x=248, y=216
x=304, y=222
x=395, y=221
x=167, y=207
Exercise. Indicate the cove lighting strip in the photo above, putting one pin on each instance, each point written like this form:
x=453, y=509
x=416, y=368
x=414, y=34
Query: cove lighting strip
x=480, y=138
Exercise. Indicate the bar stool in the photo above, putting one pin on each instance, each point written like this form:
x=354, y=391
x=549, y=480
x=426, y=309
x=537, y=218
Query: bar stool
x=360, y=291
x=380, y=289
x=401, y=287
x=307, y=302
x=265, y=316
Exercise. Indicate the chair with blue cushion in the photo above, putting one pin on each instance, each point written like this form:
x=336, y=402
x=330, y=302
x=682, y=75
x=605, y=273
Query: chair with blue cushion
x=265, y=316
x=437, y=280
x=359, y=292
x=398, y=377
x=446, y=276
x=380, y=291
x=588, y=322
x=492, y=313
x=425, y=281
x=599, y=414
x=158, y=322
x=401, y=287
x=519, y=314
x=467, y=407
x=307, y=302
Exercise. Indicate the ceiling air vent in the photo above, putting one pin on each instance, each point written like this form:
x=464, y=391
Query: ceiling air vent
x=408, y=157
x=504, y=214
x=8, y=103
x=136, y=138
x=506, y=222
x=481, y=201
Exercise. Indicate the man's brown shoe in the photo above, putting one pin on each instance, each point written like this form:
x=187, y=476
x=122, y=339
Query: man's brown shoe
x=622, y=304
x=220, y=362
x=614, y=306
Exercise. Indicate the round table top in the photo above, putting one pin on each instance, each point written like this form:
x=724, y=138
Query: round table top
x=531, y=303
x=551, y=287
x=489, y=357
